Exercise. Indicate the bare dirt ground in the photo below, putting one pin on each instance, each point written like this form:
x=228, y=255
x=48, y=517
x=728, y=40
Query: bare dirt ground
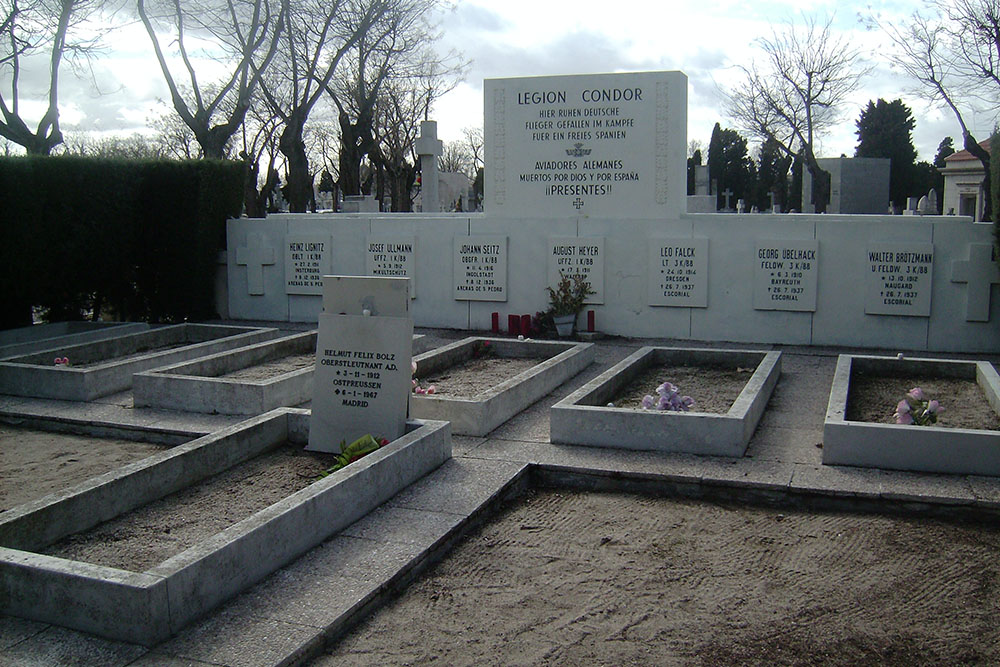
x=153, y=533
x=476, y=376
x=874, y=399
x=573, y=578
x=714, y=389
x=271, y=369
x=35, y=463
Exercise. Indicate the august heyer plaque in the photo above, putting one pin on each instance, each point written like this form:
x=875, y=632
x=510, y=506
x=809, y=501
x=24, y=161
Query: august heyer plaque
x=307, y=259
x=480, y=268
x=898, y=279
x=785, y=275
x=678, y=272
x=572, y=255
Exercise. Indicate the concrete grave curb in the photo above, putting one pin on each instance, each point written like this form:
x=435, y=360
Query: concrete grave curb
x=113, y=361
x=14, y=342
x=583, y=417
x=900, y=447
x=479, y=415
x=148, y=607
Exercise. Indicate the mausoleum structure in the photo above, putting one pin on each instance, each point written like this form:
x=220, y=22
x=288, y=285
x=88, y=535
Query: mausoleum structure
x=587, y=174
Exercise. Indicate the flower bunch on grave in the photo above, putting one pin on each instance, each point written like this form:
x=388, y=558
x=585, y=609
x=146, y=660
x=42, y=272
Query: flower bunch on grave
x=917, y=409
x=360, y=448
x=667, y=397
x=417, y=389
x=62, y=361
x=481, y=349
x=568, y=296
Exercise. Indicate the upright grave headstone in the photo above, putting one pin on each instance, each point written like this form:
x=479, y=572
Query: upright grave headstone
x=898, y=280
x=363, y=353
x=578, y=255
x=608, y=145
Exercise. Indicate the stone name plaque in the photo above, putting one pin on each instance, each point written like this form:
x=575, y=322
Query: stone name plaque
x=608, y=145
x=362, y=379
x=307, y=260
x=573, y=255
x=898, y=279
x=785, y=275
x=678, y=272
x=392, y=257
x=480, y=268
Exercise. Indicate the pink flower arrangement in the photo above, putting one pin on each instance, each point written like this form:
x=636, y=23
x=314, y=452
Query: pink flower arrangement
x=917, y=409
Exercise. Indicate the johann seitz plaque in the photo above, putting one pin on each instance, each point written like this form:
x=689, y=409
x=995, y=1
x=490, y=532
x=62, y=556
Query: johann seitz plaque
x=609, y=145
x=480, y=268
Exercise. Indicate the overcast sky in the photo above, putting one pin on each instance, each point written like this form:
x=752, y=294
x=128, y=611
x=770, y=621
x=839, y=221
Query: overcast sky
x=507, y=38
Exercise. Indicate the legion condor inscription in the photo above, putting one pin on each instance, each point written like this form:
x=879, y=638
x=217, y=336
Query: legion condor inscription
x=587, y=144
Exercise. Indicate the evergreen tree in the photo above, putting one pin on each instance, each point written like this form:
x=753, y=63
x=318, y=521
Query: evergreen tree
x=693, y=161
x=772, y=176
x=884, y=131
x=945, y=148
x=730, y=165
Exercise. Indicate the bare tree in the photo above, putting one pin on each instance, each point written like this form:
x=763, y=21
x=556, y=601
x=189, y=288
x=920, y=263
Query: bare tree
x=396, y=48
x=792, y=97
x=248, y=32
x=317, y=36
x=954, y=57
x=29, y=29
x=174, y=137
x=456, y=159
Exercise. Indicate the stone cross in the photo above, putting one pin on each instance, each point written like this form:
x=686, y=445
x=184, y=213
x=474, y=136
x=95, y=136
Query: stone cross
x=429, y=148
x=727, y=193
x=741, y=206
x=255, y=256
x=980, y=272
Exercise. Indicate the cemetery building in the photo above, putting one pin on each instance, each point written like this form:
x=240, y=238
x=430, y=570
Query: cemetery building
x=963, y=184
x=858, y=185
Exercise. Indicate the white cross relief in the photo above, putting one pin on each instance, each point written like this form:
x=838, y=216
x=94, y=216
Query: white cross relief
x=255, y=256
x=980, y=272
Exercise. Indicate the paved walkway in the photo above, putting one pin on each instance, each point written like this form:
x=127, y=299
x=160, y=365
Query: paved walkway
x=289, y=616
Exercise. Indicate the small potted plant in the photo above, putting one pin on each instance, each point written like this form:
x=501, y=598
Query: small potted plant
x=566, y=301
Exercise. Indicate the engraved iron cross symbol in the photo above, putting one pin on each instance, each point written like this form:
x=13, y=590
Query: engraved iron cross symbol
x=578, y=203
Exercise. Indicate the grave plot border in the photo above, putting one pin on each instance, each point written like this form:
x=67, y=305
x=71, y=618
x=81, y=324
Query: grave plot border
x=193, y=386
x=15, y=342
x=583, y=417
x=917, y=448
x=35, y=375
x=147, y=607
x=479, y=415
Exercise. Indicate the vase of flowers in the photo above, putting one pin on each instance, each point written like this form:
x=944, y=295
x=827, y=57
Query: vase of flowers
x=566, y=301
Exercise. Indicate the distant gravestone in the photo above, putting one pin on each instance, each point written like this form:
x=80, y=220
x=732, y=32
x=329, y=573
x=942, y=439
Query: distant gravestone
x=429, y=148
x=701, y=180
x=480, y=268
x=923, y=206
x=578, y=256
x=727, y=193
x=363, y=353
x=898, y=279
x=678, y=272
x=932, y=202
x=785, y=275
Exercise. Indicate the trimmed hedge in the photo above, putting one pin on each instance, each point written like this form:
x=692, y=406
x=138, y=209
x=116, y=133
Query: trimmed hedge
x=136, y=238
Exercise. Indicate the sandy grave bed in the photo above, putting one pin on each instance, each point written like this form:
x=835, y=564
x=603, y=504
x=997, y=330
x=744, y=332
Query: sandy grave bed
x=35, y=463
x=153, y=533
x=270, y=369
x=610, y=579
x=873, y=399
x=713, y=388
x=473, y=377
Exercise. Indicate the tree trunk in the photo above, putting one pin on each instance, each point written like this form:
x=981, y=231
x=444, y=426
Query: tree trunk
x=298, y=189
x=978, y=151
x=820, y=184
x=350, y=157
